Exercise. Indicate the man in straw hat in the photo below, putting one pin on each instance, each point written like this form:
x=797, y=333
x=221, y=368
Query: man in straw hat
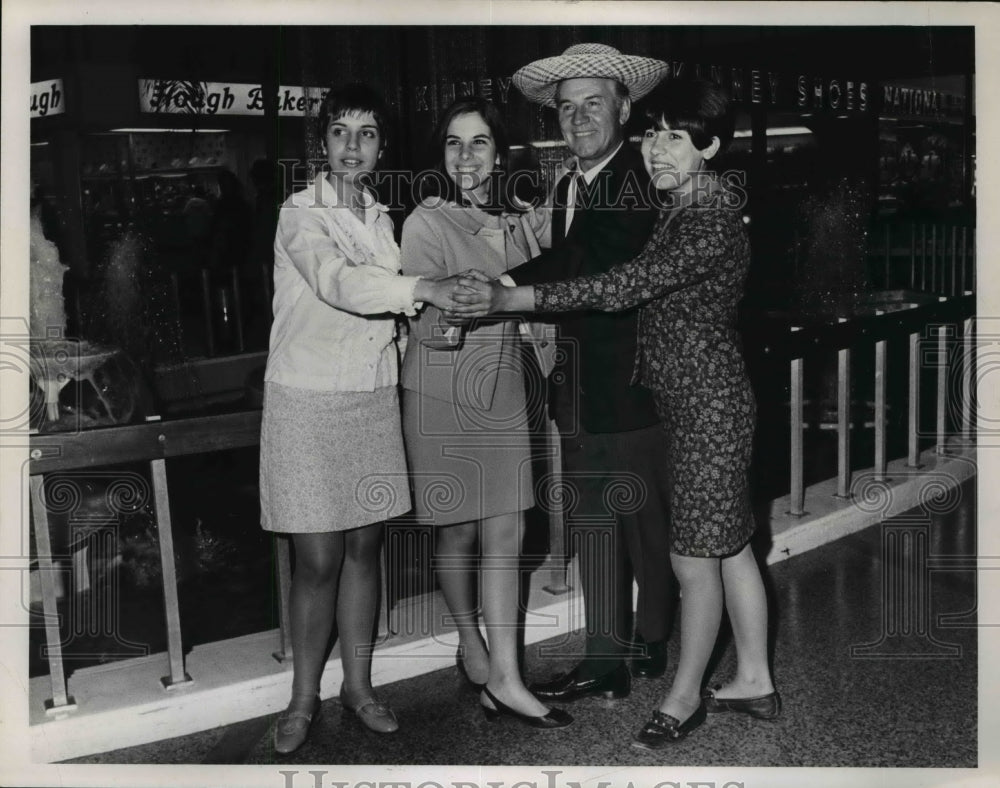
x=611, y=436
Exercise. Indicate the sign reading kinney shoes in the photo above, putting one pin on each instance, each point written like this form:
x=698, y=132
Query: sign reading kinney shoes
x=182, y=97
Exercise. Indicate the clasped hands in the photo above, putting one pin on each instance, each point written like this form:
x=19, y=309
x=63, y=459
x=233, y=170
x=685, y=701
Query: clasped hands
x=468, y=295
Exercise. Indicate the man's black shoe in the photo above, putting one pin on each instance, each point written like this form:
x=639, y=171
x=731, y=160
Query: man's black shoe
x=570, y=687
x=654, y=663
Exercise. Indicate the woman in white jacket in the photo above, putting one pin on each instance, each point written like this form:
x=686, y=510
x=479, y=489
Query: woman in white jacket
x=332, y=464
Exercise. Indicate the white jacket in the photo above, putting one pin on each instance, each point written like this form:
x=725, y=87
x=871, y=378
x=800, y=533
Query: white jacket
x=336, y=285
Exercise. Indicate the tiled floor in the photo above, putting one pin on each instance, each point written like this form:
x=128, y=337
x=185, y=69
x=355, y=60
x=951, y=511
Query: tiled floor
x=870, y=674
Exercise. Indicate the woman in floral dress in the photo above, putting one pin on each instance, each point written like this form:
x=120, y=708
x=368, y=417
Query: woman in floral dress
x=689, y=279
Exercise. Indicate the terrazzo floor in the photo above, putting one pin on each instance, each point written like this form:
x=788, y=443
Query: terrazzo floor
x=869, y=677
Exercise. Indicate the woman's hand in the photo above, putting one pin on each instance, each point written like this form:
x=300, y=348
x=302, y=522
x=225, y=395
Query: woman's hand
x=443, y=292
x=496, y=298
x=479, y=297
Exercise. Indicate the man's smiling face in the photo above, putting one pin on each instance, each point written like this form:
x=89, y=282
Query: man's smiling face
x=592, y=117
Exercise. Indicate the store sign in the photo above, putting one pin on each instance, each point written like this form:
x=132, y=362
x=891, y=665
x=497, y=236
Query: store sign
x=47, y=98
x=495, y=89
x=899, y=101
x=181, y=97
x=745, y=86
x=760, y=86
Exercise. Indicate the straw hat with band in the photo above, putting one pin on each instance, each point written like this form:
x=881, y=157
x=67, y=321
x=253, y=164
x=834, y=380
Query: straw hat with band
x=538, y=80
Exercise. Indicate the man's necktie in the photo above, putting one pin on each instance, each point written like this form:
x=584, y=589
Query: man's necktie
x=559, y=210
x=559, y=216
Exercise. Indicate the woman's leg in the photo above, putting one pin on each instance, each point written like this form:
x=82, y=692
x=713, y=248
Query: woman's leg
x=701, y=613
x=312, y=605
x=455, y=557
x=746, y=603
x=357, y=606
x=502, y=537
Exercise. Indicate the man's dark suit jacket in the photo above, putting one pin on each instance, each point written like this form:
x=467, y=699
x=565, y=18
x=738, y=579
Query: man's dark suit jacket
x=605, y=231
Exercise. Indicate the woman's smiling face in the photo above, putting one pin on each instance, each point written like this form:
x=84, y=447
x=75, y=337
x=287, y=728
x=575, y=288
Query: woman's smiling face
x=671, y=158
x=353, y=144
x=470, y=154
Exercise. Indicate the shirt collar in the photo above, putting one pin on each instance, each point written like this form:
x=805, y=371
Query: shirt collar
x=590, y=174
x=326, y=195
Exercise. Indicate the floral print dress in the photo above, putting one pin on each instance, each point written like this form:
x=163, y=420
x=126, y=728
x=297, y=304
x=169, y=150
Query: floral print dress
x=689, y=279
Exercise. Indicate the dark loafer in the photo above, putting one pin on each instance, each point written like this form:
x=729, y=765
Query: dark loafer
x=664, y=729
x=570, y=687
x=653, y=663
x=763, y=707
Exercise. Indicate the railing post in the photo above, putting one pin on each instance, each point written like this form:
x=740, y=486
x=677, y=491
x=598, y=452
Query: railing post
x=923, y=257
x=843, y=420
x=382, y=625
x=206, y=307
x=968, y=376
x=965, y=251
x=972, y=262
x=944, y=259
x=913, y=417
x=282, y=559
x=880, y=432
x=797, y=488
x=954, y=259
x=941, y=421
x=405, y=547
x=559, y=584
x=164, y=529
x=888, y=255
x=237, y=307
x=934, y=250
x=60, y=700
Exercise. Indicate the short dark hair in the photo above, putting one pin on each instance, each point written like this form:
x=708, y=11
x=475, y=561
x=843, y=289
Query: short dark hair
x=699, y=107
x=445, y=187
x=353, y=99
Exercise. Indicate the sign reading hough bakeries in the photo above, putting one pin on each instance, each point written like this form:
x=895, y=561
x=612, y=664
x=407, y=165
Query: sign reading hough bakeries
x=47, y=98
x=174, y=96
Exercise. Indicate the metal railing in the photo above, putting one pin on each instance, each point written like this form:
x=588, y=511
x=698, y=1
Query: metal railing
x=932, y=258
x=152, y=443
x=940, y=339
x=938, y=335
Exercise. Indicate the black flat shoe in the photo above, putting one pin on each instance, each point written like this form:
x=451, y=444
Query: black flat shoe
x=556, y=718
x=460, y=664
x=570, y=687
x=664, y=729
x=763, y=707
x=653, y=663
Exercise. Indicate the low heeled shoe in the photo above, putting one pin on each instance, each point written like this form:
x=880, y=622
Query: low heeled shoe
x=556, y=718
x=292, y=729
x=663, y=729
x=374, y=713
x=570, y=686
x=763, y=707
